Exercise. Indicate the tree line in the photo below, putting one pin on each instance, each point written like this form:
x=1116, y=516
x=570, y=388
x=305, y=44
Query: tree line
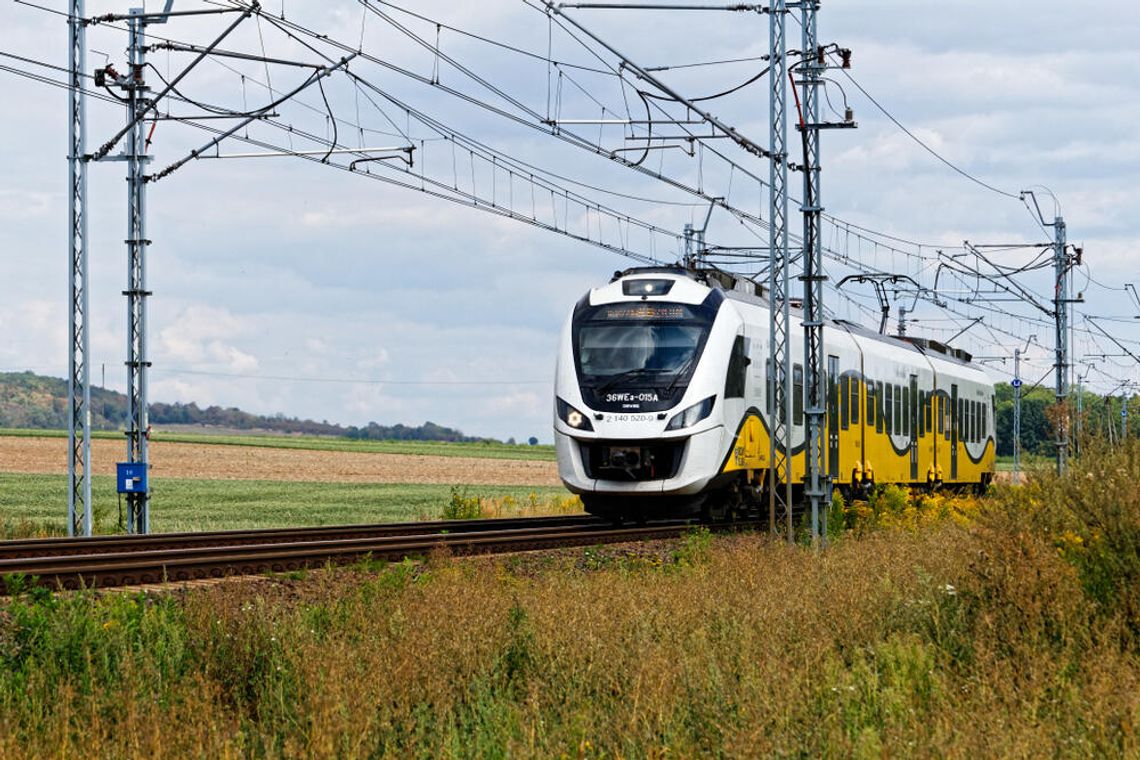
x=28, y=400
x=1100, y=417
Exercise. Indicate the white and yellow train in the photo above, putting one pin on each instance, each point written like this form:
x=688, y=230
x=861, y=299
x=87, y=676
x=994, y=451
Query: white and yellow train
x=661, y=400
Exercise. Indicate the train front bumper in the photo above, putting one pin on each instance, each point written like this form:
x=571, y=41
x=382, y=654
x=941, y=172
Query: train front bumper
x=700, y=462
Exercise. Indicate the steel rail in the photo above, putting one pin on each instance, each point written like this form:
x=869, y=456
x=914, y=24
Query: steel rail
x=58, y=547
x=203, y=562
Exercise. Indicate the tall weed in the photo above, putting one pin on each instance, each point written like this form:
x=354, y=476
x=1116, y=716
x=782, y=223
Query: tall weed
x=930, y=636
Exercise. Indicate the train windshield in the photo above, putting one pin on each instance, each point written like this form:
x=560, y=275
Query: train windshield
x=639, y=344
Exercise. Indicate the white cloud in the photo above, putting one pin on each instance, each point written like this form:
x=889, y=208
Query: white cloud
x=283, y=268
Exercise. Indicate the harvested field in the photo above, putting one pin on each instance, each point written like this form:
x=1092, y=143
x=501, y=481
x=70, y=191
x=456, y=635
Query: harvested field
x=32, y=455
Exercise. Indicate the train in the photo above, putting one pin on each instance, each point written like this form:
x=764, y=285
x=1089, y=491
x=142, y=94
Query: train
x=661, y=402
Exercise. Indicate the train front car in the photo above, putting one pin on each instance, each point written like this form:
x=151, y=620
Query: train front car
x=639, y=421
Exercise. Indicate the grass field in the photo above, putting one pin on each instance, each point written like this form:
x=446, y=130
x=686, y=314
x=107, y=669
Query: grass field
x=437, y=448
x=38, y=503
x=1007, y=629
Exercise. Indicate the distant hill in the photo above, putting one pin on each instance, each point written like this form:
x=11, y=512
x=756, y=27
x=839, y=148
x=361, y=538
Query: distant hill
x=28, y=400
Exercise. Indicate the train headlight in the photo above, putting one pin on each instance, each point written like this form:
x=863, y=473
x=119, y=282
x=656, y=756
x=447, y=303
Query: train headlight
x=572, y=416
x=692, y=415
x=646, y=287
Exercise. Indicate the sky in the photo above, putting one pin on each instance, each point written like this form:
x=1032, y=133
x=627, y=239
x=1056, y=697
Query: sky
x=282, y=285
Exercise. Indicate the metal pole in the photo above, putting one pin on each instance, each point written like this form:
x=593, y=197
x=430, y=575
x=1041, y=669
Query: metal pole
x=817, y=483
x=78, y=375
x=1124, y=418
x=1017, y=415
x=138, y=517
x=1061, y=316
x=779, y=357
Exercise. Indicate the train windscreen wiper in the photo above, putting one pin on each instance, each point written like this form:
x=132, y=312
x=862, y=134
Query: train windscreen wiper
x=628, y=374
x=680, y=373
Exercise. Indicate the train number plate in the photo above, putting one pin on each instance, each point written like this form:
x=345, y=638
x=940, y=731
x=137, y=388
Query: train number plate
x=630, y=417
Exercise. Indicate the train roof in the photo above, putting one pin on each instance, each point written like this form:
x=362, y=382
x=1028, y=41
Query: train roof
x=743, y=289
x=926, y=346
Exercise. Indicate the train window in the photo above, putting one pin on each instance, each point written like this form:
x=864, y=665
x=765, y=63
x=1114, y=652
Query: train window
x=737, y=370
x=906, y=410
x=927, y=409
x=889, y=408
x=975, y=423
x=769, y=391
x=843, y=402
x=914, y=408
x=870, y=404
x=880, y=406
x=985, y=421
x=856, y=387
x=919, y=399
x=920, y=422
x=898, y=411
x=911, y=414
x=798, y=394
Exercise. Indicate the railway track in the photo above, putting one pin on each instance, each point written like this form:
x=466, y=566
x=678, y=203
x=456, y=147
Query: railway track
x=125, y=561
x=59, y=547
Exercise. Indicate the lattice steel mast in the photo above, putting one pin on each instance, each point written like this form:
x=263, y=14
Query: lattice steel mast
x=1061, y=307
x=78, y=370
x=818, y=469
x=138, y=513
x=817, y=484
x=779, y=358
x=1062, y=273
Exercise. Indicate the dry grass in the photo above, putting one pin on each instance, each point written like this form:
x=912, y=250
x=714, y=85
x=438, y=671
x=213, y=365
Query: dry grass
x=992, y=636
x=172, y=460
x=462, y=506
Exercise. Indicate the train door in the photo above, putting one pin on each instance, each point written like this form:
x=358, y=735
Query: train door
x=864, y=400
x=833, y=416
x=913, y=426
x=954, y=429
x=938, y=431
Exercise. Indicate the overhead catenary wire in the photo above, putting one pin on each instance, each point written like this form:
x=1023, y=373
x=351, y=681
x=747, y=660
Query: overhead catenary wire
x=345, y=380
x=918, y=254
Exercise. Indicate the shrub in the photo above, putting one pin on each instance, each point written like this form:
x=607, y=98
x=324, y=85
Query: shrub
x=461, y=506
x=1092, y=518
